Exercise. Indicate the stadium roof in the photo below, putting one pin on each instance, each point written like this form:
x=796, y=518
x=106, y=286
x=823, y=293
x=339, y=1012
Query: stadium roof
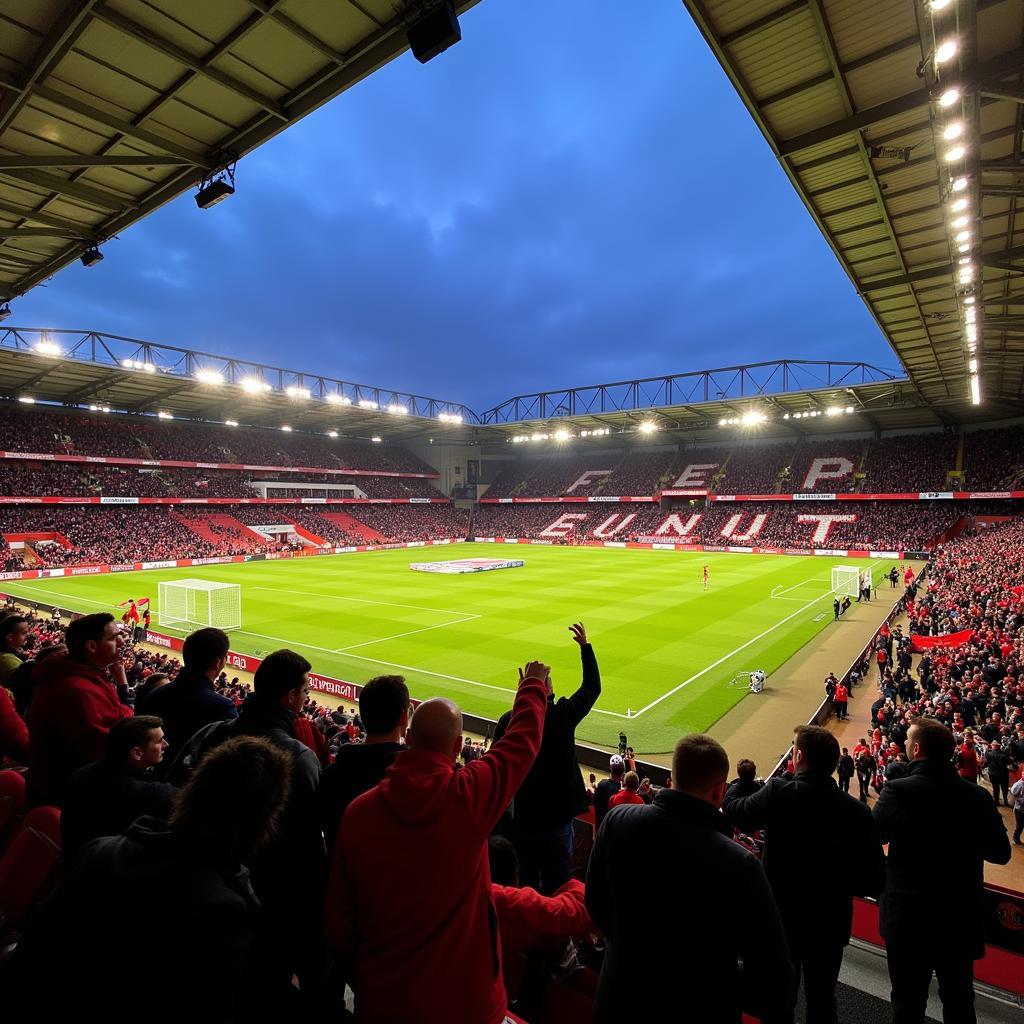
x=110, y=108
x=854, y=97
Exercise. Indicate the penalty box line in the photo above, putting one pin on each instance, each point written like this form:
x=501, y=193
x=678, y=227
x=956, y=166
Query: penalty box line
x=725, y=657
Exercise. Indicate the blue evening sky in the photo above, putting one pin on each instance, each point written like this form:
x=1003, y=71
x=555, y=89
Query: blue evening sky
x=568, y=196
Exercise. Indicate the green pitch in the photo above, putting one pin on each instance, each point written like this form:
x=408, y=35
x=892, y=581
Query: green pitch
x=668, y=650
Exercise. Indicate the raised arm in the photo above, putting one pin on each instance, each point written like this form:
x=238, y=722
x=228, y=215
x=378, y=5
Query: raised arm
x=589, y=689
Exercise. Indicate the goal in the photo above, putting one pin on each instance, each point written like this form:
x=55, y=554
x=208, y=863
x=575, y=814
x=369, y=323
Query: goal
x=846, y=580
x=200, y=603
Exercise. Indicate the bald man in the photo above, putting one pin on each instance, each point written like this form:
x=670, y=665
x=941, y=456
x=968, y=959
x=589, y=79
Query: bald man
x=434, y=957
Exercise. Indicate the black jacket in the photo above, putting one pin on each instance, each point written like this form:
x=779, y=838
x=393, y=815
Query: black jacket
x=603, y=792
x=997, y=764
x=186, y=704
x=357, y=768
x=939, y=828
x=552, y=794
x=104, y=798
x=142, y=920
x=821, y=850
x=701, y=899
x=846, y=769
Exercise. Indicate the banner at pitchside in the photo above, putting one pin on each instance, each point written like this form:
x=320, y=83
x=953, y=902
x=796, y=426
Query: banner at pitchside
x=924, y=643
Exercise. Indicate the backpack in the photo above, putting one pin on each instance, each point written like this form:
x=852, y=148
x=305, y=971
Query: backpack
x=202, y=741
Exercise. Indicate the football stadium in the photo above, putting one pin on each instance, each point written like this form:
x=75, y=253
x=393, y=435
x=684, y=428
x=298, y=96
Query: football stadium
x=737, y=645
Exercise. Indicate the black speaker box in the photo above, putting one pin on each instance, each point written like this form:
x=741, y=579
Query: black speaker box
x=434, y=33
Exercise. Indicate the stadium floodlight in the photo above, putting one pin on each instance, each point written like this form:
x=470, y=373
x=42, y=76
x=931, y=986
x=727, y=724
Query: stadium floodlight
x=949, y=97
x=750, y=419
x=49, y=348
x=367, y=403
x=286, y=428
x=963, y=248
x=165, y=415
x=849, y=410
x=954, y=154
x=648, y=427
x=959, y=184
x=337, y=398
x=450, y=417
x=970, y=314
x=209, y=377
x=966, y=274
x=938, y=5
x=376, y=440
x=961, y=222
x=953, y=131
x=91, y=257
x=975, y=389
x=332, y=433
x=296, y=392
x=216, y=187
x=960, y=204
x=398, y=410
x=962, y=236
x=26, y=399
x=253, y=385
x=946, y=51
x=969, y=300
x=231, y=423
x=972, y=365
x=562, y=435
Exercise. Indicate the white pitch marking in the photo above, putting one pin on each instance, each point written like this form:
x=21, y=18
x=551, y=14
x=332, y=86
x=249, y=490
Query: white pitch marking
x=726, y=657
x=362, y=600
x=395, y=636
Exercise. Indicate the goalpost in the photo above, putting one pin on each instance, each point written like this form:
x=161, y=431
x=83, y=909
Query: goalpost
x=846, y=580
x=200, y=603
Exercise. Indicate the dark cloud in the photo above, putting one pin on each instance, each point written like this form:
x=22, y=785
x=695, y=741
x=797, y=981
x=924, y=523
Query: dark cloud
x=567, y=196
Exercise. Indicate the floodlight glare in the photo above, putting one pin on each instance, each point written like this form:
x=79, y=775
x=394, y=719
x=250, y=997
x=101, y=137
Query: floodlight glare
x=949, y=97
x=231, y=423
x=959, y=185
x=946, y=51
x=253, y=385
x=209, y=377
x=648, y=427
x=286, y=429
x=956, y=153
x=48, y=348
x=953, y=131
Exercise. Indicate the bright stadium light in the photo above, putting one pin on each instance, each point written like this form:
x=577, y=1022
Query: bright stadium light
x=209, y=377
x=337, y=398
x=849, y=410
x=954, y=154
x=959, y=185
x=938, y=5
x=972, y=365
x=648, y=427
x=135, y=364
x=751, y=419
x=949, y=97
x=332, y=433
x=296, y=392
x=398, y=410
x=367, y=403
x=975, y=389
x=26, y=400
x=231, y=423
x=962, y=236
x=165, y=415
x=961, y=222
x=832, y=411
x=49, y=348
x=562, y=435
x=953, y=131
x=960, y=204
x=946, y=51
x=286, y=428
x=253, y=385
x=449, y=417
x=375, y=440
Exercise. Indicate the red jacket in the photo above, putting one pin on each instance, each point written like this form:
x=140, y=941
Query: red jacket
x=13, y=731
x=308, y=733
x=624, y=796
x=431, y=955
x=842, y=695
x=528, y=921
x=73, y=708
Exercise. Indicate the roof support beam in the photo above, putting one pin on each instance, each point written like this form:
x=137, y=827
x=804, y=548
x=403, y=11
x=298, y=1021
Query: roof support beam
x=87, y=193
x=40, y=233
x=765, y=21
x=41, y=218
x=201, y=66
x=75, y=160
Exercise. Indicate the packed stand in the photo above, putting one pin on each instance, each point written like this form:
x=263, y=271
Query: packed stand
x=910, y=462
x=993, y=459
x=406, y=523
x=756, y=468
x=823, y=466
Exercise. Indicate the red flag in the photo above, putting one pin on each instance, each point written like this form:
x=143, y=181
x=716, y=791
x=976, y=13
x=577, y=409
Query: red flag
x=923, y=643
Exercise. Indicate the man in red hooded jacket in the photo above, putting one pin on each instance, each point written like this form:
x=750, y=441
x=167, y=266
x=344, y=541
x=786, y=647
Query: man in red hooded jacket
x=434, y=955
x=74, y=704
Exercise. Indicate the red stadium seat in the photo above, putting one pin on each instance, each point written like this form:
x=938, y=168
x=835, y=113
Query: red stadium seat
x=12, y=804
x=30, y=867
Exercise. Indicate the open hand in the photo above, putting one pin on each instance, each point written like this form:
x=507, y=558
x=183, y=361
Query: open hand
x=579, y=633
x=535, y=670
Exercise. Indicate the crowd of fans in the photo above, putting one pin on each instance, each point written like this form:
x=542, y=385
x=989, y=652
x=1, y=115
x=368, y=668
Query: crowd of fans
x=84, y=433
x=886, y=526
x=910, y=462
x=273, y=837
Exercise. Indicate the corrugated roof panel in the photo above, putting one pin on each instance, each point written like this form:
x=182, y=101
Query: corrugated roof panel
x=913, y=200
x=781, y=56
x=885, y=79
x=862, y=27
x=342, y=28
x=844, y=169
x=798, y=114
x=729, y=15
x=294, y=61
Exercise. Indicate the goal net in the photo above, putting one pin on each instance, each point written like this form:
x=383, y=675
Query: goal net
x=846, y=580
x=200, y=603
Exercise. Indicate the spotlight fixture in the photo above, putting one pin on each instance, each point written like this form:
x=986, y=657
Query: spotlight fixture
x=375, y=440
x=562, y=435
x=963, y=236
x=946, y=51
x=949, y=97
x=297, y=392
x=938, y=5
x=253, y=385
x=332, y=433
x=5, y=310
x=367, y=403
x=954, y=154
x=287, y=429
x=216, y=186
x=975, y=389
x=48, y=348
x=961, y=222
x=91, y=256
x=231, y=423
x=959, y=204
x=434, y=32
x=953, y=131
x=337, y=398
x=648, y=427
x=165, y=415
x=959, y=185
x=209, y=377
x=26, y=400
